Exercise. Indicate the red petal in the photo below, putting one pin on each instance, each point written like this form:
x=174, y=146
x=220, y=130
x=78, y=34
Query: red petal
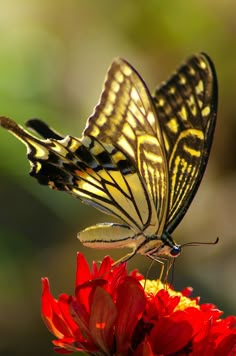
x=64, y=305
x=137, y=275
x=49, y=308
x=227, y=346
x=81, y=317
x=56, y=314
x=102, y=319
x=230, y=322
x=212, y=310
x=130, y=306
x=187, y=291
x=105, y=267
x=82, y=276
x=82, y=270
x=119, y=273
x=64, y=346
x=166, y=303
x=160, y=305
x=94, y=269
x=171, y=334
x=47, y=299
x=196, y=319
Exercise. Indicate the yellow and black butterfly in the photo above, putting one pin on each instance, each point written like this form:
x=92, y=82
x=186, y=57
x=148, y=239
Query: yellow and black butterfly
x=140, y=158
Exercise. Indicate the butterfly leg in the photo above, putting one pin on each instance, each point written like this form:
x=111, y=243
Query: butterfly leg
x=124, y=258
x=165, y=263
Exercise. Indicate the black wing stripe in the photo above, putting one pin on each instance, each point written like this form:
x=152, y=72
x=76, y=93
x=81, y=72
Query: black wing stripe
x=43, y=129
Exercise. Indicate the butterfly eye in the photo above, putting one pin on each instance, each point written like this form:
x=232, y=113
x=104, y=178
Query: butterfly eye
x=175, y=251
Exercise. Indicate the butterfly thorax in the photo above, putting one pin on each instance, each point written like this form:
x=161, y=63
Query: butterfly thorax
x=164, y=246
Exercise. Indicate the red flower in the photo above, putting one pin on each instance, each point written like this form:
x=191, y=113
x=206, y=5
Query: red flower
x=113, y=314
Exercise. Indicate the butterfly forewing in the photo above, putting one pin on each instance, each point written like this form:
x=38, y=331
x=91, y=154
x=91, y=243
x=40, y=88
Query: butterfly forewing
x=186, y=108
x=125, y=117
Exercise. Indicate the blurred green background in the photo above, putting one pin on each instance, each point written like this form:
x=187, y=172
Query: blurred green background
x=54, y=56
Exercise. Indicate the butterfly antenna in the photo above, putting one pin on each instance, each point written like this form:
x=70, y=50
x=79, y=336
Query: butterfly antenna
x=199, y=243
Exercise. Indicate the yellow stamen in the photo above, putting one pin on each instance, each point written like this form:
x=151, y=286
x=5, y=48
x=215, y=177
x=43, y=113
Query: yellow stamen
x=152, y=287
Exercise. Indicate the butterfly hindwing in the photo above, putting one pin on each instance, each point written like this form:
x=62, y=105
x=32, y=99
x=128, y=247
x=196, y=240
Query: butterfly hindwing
x=186, y=108
x=97, y=173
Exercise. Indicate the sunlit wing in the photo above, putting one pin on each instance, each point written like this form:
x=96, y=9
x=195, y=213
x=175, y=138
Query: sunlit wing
x=140, y=158
x=186, y=108
x=95, y=172
x=125, y=117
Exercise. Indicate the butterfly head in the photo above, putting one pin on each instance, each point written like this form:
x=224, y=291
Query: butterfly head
x=162, y=247
x=168, y=250
x=169, y=247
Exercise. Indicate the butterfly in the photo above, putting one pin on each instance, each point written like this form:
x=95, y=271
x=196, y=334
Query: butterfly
x=141, y=157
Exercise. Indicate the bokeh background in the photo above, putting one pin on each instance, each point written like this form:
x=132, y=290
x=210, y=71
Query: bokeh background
x=53, y=59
